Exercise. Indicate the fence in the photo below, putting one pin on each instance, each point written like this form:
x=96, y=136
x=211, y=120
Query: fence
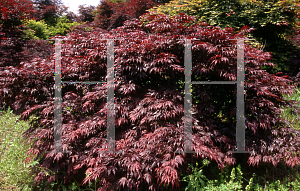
x=240, y=129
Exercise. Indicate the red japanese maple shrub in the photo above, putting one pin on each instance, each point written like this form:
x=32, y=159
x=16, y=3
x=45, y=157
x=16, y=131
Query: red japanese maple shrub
x=149, y=99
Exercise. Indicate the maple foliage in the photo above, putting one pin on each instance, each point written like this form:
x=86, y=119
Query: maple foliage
x=14, y=49
x=149, y=100
x=12, y=11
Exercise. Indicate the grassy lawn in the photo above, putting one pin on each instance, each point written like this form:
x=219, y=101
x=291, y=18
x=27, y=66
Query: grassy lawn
x=14, y=173
x=288, y=112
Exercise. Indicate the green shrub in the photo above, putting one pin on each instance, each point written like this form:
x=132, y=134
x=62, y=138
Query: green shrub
x=37, y=30
x=40, y=30
x=232, y=182
x=62, y=26
x=197, y=179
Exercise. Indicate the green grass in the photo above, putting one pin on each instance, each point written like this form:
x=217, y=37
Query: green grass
x=15, y=174
x=287, y=115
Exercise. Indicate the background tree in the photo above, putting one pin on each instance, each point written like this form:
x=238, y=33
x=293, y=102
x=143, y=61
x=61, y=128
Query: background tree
x=273, y=21
x=117, y=1
x=112, y=14
x=72, y=16
x=49, y=10
x=86, y=13
x=103, y=14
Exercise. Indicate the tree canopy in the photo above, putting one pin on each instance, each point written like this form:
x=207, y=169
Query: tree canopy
x=112, y=14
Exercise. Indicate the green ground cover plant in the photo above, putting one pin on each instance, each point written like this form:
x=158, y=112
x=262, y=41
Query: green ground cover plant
x=14, y=173
x=233, y=178
x=289, y=113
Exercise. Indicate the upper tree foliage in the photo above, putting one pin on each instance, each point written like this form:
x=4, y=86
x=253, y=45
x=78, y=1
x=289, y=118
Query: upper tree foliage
x=112, y=14
x=272, y=19
x=236, y=13
x=72, y=16
x=86, y=13
x=149, y=104
x=49, y=10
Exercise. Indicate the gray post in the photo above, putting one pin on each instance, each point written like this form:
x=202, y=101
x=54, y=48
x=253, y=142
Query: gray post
x=110, y=97
x=58, y=100
x=240, y=104
x=188, y=98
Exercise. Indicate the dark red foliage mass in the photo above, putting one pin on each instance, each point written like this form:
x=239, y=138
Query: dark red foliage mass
x=12, y=12
x=149, y=98
x=14, y=49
